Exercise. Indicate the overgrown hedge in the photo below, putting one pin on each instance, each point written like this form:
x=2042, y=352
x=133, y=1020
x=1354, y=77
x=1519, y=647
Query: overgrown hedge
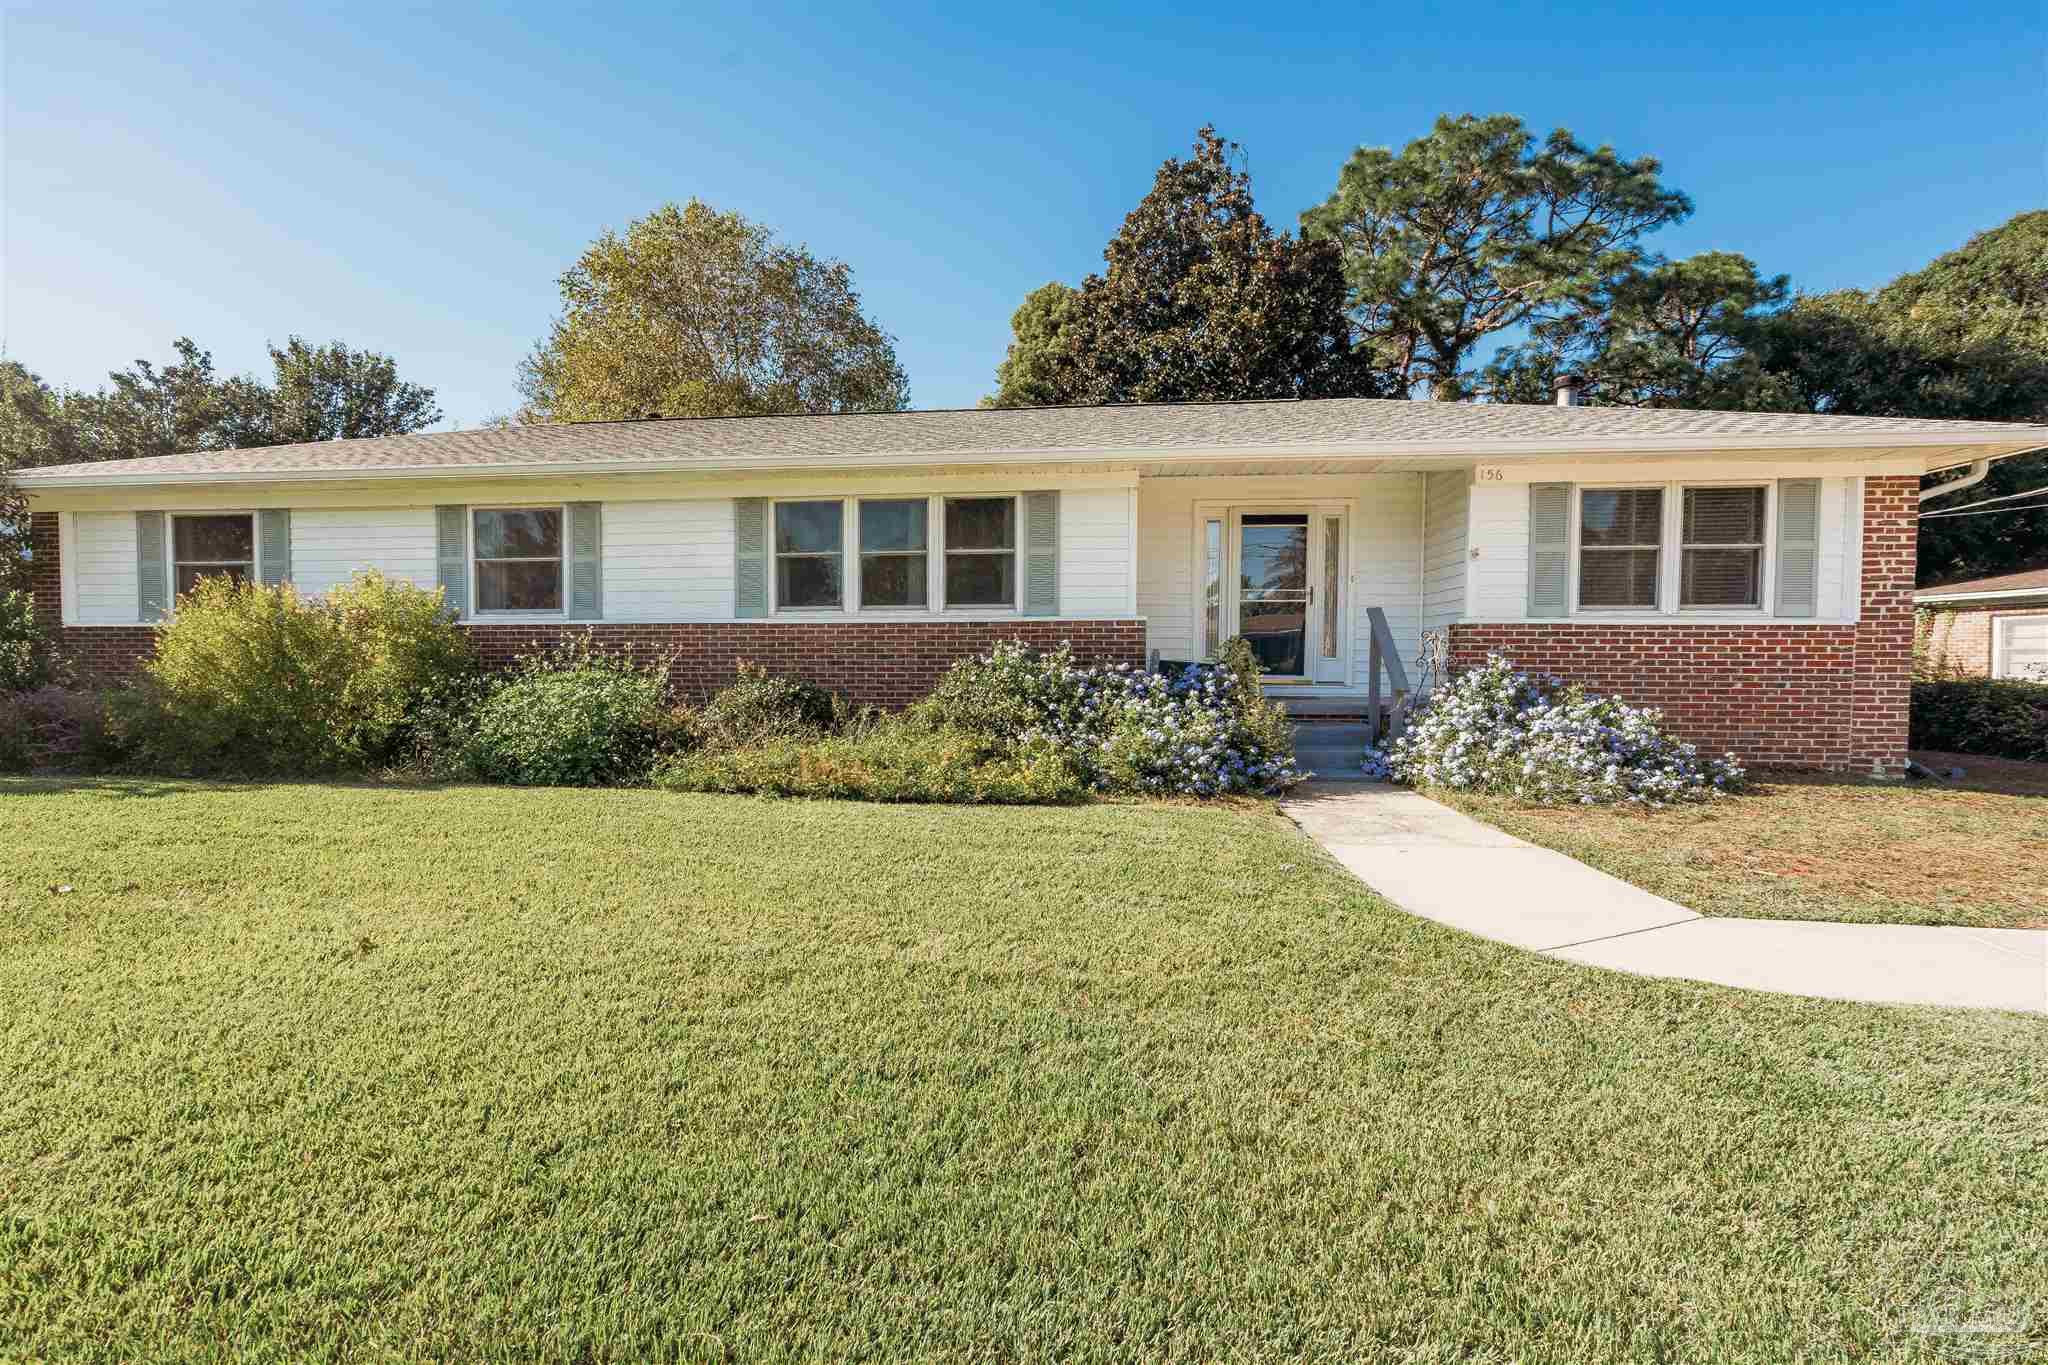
x=1999, y=719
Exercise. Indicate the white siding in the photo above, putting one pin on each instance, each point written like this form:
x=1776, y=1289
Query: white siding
x=330, y=547
x=1446, y=515
x=1095, y=552
x=668, y=561
x=1385, y=553
x=103, y=547
x=1500, y=537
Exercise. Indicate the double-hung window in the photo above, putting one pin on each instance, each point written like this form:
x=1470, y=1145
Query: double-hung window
x=858, y=554
x=895, y=564
x=1621, y=543
x=981, y=552
x=212, y=546
x=1721, y=556
x=518, y=559
x=810, y=538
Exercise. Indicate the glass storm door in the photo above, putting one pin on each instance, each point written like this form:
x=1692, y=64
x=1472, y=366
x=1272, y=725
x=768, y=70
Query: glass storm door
x=1275, y=591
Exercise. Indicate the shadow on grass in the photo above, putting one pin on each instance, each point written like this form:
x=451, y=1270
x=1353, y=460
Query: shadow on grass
x=113, y=788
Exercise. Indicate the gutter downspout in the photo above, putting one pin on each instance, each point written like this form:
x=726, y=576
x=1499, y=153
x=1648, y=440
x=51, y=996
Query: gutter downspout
x=1979, y=471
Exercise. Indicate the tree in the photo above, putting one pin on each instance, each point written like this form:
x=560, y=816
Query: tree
x=1965, y=337
x=1201, y=300
x=1672, y=334
x=329, y=393
x=1028, y=376
x=693, y=312
x=1476, y=228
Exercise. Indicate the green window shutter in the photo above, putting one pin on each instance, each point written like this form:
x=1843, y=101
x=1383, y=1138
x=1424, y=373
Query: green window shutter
x=274, y=545
x=152, y=568
x=586, y=561
x=749, y=557
x=1042, y=554
x=1550, y=549
x=451, y=556
x=1798, y=547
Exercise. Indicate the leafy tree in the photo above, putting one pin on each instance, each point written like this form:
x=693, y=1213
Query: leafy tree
x=693, y=312
x=1965, y=337
x=1201, y=300
x=1476, y=228
x=326, y=393
x=1029, y=374
x=1672, y=334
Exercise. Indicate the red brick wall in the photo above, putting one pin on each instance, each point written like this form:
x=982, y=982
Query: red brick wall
x=45, y=576
x=1957, y=640
x=1819, y=696
x=885, y=663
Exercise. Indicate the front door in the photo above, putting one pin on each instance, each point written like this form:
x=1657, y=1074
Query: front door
x=1290, y=590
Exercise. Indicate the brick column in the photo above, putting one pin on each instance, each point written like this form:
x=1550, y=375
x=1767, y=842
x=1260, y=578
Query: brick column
x=1881, y=688
x=45, y=571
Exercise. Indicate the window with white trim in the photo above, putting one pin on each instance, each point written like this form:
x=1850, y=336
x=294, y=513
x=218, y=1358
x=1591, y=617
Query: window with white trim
x=810, y=541
x=518, y=557
x=895, y=563
x=1621, y=542
x=981, y=552
x=216, y=545
x=1721, y=547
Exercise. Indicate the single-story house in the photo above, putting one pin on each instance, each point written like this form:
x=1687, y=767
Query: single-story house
x=1751, y=573
x=1993, y=627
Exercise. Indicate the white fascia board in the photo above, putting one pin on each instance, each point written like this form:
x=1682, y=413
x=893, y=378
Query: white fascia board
x=1954, y=451
x=2010, y=594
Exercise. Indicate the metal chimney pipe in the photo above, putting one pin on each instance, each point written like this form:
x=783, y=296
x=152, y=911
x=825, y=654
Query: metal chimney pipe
x=1569, y=388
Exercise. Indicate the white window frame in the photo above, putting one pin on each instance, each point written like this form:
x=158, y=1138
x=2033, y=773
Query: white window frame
x=1015, y=552
x=932, y=534
x=476, y=580
x=935, y=605
x=171, y=545
x=1578, y=548
x=1671, y=553
x=2001, y=666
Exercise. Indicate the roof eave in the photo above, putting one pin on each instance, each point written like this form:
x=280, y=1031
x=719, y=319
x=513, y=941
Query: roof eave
x=1957, y=450
x=1925, y=599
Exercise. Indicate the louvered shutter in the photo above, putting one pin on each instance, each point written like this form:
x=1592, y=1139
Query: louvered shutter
x=749, y=557
x=1798, y=547
x=274, y=545
x=1042, y=554
x=1550, y=549
x=586, y=561
x=451, y=556
x=152, y=568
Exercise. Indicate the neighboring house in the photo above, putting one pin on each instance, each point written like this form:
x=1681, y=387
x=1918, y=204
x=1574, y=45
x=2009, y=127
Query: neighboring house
x=1750, y=573
x=1989, y=627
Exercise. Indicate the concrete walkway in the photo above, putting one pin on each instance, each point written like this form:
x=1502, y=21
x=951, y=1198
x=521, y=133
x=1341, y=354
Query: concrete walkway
x=1434, y=862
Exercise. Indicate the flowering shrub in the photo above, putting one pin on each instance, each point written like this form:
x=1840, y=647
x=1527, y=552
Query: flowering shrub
x=758, y=707
x=1496, y=729
x=575, y=717
x=1204, y=731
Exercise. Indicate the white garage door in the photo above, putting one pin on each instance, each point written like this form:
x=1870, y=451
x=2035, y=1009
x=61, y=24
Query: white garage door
x=2021, y=647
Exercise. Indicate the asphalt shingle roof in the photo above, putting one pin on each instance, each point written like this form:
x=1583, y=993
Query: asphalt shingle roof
x=2031, y=580
x=964, y=432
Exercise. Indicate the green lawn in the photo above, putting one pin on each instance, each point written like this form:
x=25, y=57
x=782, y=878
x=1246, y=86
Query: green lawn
x=1972, y=852
x=302, y=1072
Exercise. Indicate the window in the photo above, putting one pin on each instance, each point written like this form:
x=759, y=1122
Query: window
x=518, y=559
x=1212, y=588
x=1620, y=537
x=1722, y=548
x=981, y=552
x=213, y=546
x=810, y=568
x=893, y=561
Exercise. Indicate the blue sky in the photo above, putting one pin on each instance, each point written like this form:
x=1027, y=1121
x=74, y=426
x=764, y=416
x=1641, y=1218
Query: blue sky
x=414, y=180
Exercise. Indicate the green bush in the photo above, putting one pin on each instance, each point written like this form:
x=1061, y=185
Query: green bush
x=898, y=759
x=758, y=708
x=574, y=717
x=260, y=680
x=24, y=659
x=1999, y=718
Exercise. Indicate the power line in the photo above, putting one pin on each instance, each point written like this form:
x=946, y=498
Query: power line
x=1986, y=502
x=1994, y=512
